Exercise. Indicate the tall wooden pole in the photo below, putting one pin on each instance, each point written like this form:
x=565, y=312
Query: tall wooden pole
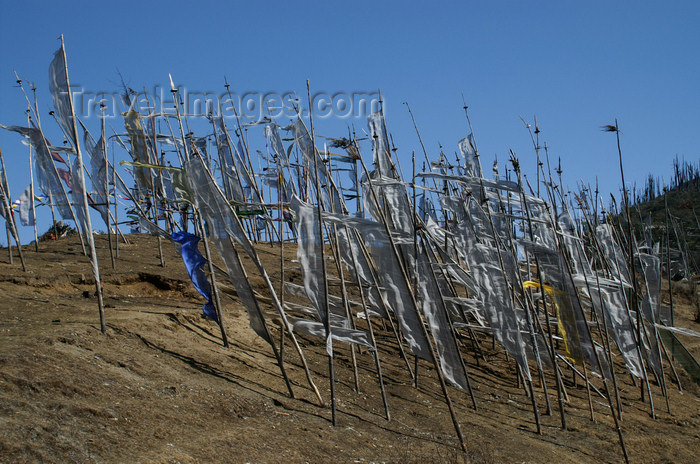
x=116, y=200
x=431, y=349
x=103, y=138
x=31, y=192
x=341, y=275
x=10, y=216
x=365, y=308
x=319, y=209
x=198, y=221
x=552, y=352
x=668, y=257
x=630, y=245
x=9, y=236
x=81, y=179
x=273, y=293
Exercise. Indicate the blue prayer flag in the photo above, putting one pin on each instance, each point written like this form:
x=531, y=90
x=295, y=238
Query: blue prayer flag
x=193, y=262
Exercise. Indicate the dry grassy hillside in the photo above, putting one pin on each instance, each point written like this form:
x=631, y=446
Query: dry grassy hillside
x=160, y=387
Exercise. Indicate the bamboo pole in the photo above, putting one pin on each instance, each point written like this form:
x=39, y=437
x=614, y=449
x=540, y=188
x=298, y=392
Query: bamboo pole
x=531, y=306
x=346, y=305
x=81, y=179
x=199, y=223
x=275, y=299
x=655, y=335
x=501, y=262
x=31, y=167
x=443, y=307
x=278, y=354
x=630, y=237
x=31, y=191
x=343, y=292
x=11, y=217
x=670, y=363
x=365, y=308
x=582, y=257
x=244, y=142
x=7, y=232
x=215, y=288
x=116, y=202
x=78, y=227
x=319, y=209
x=414, y=287
x=6, y=208
x=552, y=352
x=431, y=350
x=638, y=341
x=281, y=216
x=154, y=196
x=103, y=138
x=94, y=181
x=63, y=189
x=668, y=256
x=606, y=337
x=568, y=270
x=375, y=277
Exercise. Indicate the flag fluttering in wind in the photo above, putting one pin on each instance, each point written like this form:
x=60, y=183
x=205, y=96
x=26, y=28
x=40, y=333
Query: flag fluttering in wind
x=194, y=262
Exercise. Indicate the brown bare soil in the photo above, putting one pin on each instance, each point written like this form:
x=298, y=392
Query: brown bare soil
x=159, y=387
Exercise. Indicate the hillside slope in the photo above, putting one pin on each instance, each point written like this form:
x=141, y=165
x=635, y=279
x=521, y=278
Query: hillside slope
x=160, y=387
x=684, y=207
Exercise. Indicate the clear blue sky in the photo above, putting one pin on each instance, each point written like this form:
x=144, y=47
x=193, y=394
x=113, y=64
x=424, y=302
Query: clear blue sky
x=576, y=65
